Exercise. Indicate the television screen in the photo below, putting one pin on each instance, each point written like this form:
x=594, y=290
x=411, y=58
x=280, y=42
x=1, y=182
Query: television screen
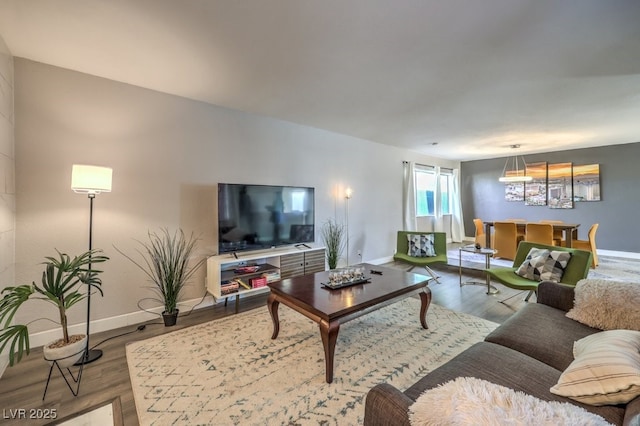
x=252, y=217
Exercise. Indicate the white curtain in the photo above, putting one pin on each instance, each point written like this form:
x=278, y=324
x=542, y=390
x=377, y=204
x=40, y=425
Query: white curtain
x=457, y=222
x=438, y=219
x=408, y=196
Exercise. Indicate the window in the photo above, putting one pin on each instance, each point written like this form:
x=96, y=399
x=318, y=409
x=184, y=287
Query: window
x=446, y=175
x=425, y=190
x=427, y=180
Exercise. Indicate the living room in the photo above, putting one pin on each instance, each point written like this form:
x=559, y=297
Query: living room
x=168, y=153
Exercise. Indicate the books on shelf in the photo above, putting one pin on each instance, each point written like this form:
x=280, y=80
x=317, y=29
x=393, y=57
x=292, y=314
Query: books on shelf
x=258, y=282
x=272, y=276
x=229, y=287
x=248, y=269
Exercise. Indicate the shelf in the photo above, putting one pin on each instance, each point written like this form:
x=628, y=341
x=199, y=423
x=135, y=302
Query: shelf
x=229, y=274
x=243, y=290
x=292, y=261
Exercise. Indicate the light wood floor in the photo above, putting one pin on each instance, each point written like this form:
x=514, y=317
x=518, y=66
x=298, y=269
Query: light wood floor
x=106, y=379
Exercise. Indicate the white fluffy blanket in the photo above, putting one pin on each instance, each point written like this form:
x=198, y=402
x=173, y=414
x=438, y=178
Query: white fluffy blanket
x=607, y=305
x=471, y=401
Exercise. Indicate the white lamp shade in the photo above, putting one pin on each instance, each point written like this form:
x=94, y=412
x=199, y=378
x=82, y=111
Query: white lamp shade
x=91, y=179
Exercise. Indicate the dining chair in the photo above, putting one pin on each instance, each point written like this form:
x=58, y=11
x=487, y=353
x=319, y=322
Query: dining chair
x=519, y=229
x=505, y=239
x=558, y=235
x=541, y=233
x=480, y=235
x=589, y=244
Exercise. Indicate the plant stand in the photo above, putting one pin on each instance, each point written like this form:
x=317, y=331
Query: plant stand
x=74, y=379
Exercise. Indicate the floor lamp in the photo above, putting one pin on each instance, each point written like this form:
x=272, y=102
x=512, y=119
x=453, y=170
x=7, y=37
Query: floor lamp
x=347, y=196
x=90, y=180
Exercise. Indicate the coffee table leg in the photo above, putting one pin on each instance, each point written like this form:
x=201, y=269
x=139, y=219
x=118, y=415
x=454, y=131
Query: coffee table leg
x=329, y=334
x=273, y=304
x=425, y=298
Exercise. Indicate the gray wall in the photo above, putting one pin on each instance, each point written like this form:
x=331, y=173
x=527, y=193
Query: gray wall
x=168, y=154
x=617, y=213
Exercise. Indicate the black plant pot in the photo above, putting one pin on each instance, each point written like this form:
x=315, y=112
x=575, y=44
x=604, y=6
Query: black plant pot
x=170, y=318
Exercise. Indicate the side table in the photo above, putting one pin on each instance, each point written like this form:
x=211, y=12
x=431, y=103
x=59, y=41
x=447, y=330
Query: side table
x=488, y=254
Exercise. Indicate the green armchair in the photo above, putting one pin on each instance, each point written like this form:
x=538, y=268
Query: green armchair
x=577, y=268
x=440, y=246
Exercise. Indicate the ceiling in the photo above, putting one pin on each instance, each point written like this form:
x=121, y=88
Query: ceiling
x=455, y=79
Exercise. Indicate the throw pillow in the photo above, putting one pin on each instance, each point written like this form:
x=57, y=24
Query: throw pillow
x=533, y=264
x=607, y=305
x=554, y=266
x=472, y=401
x=606, y=369
x=421, y=245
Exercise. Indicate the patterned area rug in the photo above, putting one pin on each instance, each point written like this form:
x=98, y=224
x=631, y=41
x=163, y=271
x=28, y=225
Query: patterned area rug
x=609, y=268
x=230, y=372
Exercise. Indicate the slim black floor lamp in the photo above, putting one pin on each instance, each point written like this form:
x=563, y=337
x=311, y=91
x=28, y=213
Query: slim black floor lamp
x=90, y=180
x=348, y=193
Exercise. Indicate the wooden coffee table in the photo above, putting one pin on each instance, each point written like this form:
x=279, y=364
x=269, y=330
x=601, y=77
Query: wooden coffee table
x=308, y=296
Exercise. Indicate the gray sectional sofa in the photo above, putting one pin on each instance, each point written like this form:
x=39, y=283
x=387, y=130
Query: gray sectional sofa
x=527, y=353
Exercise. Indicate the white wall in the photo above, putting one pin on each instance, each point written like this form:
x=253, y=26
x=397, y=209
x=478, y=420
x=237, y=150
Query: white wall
x=168, y=154
x=7, y=181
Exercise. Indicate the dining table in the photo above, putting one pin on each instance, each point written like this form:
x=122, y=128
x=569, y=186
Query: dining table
x=568, y=229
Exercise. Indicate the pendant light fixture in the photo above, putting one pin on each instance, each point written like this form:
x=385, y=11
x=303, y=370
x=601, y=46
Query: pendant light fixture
x=516, y=173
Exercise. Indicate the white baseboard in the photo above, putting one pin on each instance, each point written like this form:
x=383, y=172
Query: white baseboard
x=44, y=337
x=380, y=260
x=622, y=254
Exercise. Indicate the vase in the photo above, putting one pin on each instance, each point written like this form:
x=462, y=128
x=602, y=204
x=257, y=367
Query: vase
x=170, y=318
x=66, y=355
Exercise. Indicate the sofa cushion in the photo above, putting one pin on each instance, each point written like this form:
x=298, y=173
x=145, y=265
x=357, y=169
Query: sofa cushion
x=542, y=264
x=506, y=367
x=421, y=245
x=606, y=369
x=533, y=264
x=543, y=333
x=608, y=305
x=482, y=402
x=555, y=265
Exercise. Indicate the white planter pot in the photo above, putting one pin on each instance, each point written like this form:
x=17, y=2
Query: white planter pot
x=67, y=355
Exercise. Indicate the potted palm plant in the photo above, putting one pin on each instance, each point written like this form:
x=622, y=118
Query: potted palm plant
x=63, y=285
x=165, y=262
x=333, y=235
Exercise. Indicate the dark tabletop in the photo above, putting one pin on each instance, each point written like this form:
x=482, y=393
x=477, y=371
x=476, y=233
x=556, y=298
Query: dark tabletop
x=308, y=291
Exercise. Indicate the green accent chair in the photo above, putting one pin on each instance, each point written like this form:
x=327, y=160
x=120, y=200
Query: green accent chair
x=577, y=268
x=439, y=245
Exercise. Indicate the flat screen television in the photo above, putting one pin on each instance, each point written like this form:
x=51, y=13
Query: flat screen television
x=254, y=217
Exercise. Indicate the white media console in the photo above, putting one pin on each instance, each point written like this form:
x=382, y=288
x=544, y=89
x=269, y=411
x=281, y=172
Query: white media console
x=284, y=262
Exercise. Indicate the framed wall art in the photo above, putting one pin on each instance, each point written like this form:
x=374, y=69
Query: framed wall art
x=586, y=182
x=560, y=186
x=535, y=191
x=514, y=191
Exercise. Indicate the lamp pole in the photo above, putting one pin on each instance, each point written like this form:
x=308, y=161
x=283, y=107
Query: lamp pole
x=347, y=197
x=90, y=355
x=90, y=180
